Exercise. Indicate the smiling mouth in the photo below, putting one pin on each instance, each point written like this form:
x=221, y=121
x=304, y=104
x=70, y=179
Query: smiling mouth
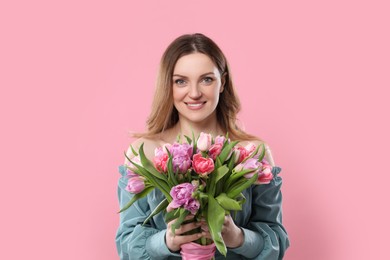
x=198, y=105
x=195, y=104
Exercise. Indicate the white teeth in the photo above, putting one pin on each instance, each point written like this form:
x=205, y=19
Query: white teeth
x=195, y=105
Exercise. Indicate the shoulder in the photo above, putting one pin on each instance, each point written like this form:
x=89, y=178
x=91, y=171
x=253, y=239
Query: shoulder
x=268, y=152
x=149, y=145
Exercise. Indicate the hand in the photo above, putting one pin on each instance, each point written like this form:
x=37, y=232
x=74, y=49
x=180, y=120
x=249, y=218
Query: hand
x=175, y=240
x=231, y=234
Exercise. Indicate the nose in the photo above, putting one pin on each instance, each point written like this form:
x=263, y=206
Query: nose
x=194, y=92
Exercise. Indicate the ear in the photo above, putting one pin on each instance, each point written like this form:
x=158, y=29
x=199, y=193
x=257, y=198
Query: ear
x=223, y=81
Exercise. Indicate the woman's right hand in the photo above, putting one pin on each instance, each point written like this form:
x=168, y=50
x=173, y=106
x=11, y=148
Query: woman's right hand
x=175, y=240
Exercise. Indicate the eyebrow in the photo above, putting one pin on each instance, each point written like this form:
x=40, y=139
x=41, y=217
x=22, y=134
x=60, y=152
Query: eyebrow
x=204, y=74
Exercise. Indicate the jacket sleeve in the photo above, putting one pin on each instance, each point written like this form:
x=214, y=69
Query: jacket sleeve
x=265, y=236
x=134, y=240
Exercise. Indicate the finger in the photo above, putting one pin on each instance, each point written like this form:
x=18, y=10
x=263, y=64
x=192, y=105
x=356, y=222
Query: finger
x=169, y=208
x=187, y=238
x=188, y=217
x=204, y=227
x=206, y=234
x=187, y=227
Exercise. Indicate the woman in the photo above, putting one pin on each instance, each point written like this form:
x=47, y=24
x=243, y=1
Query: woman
x=195, y=93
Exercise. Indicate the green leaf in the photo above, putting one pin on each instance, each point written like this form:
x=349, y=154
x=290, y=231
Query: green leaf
x=163, y=187
x=215, y=218
x=171, y=215
x=189, y=141
x=136, y=197
x=221, y=176
x=133, y=151
x=127, y=157
x=231, y=164
x=160, y=207
x=150, y=168
x=218, y=162
x=228, y=203
x=221, y=171
x=136, y=165
x=211, y=184
x=133, y=169
x=226, y=151
x=236, y=175
x=237, y=189
x=138, y=168
x=182, y=214
x=241, y=199
x=236, y=184
x=262, y=152
x=194, y=142
x=171, y=176
x=169, y=163
x=147, y=164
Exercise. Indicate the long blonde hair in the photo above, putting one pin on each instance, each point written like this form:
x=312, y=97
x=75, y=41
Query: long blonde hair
x=164, y=115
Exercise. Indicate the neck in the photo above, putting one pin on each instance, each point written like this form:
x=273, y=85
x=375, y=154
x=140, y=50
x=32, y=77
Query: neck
x=184, y=128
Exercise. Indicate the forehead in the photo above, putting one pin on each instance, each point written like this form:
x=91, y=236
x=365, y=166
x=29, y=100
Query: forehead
x=194, y=64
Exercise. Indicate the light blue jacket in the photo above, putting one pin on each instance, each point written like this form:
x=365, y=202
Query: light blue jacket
x=260, y=219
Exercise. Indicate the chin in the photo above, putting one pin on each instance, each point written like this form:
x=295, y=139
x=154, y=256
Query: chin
x=198, y=118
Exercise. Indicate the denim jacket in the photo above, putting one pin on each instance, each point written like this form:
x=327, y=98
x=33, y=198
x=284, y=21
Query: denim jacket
x=260, y=218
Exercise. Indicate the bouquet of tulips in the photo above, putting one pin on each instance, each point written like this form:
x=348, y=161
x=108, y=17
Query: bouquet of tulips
x=203, y=176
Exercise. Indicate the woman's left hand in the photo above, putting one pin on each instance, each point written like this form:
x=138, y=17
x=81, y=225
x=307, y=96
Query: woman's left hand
x=231, y=234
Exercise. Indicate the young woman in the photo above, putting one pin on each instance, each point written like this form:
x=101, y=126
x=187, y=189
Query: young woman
x=195, y=93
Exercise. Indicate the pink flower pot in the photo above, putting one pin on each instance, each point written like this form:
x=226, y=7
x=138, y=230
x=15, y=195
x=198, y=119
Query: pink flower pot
x=194, y=251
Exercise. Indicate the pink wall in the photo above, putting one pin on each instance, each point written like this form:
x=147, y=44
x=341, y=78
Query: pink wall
x=76, y=76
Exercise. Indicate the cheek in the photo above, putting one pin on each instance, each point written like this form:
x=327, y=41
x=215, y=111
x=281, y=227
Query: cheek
x=215, y=94
x=177, y=94
x=217, y=90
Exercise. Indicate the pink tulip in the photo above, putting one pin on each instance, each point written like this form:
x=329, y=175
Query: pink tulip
x=160, y=160
x=249, y=164
x=220, y=139
x=265, y=174
x=130, y=173
x=181, y=194
x=135, y=185
x=215, y=150
x=201, y=165
x=192, y=206
x=182, y=197
x=181, y=157
x=243, y=153
x=204, y=142
x=250, y=148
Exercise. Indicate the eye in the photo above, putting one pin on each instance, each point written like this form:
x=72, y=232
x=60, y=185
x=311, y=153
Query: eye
x=208, y=80
x=179, y=82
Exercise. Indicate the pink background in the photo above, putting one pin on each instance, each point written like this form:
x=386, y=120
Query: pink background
x=76, y=76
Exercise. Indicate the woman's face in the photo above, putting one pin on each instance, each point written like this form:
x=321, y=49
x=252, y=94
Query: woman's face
x=197, y=84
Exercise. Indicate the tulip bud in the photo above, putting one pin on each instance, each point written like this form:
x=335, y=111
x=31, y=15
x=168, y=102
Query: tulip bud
x=135, y=185
x=204, y=142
